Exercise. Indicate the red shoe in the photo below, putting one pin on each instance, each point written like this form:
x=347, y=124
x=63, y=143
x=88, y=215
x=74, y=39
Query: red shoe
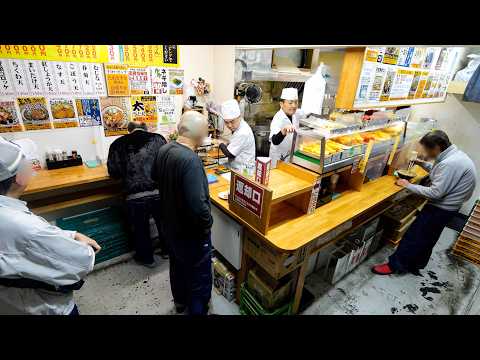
x=383, y=269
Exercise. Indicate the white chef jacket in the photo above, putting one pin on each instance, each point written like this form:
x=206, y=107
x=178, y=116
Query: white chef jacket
x=242, y=146
x=32, y=248
x=282, y=150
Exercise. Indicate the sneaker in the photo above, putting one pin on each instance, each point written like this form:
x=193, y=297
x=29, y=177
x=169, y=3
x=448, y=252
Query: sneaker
x=383, y=269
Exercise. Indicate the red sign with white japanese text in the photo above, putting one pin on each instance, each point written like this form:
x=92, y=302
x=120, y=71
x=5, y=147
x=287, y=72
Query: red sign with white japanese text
x=247, y=194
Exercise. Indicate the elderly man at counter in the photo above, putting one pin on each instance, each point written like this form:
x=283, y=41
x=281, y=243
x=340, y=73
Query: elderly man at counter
x=240, y=151
x=185, y=209
x=130, y=159
x=40, y=264
x=283, y=125
x=453, y=178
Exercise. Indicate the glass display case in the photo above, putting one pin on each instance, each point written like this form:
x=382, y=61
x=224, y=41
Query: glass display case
x=323, y=145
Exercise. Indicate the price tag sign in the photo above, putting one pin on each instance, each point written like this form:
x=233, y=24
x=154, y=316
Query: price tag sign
x=356, y=163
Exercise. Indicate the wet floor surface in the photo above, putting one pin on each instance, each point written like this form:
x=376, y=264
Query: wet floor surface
x=448, y=286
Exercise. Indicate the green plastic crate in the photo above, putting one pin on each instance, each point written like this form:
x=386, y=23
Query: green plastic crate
x=105, y=226
x=250, y=306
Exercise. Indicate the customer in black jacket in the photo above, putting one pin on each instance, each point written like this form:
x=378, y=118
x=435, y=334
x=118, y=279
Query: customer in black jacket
x=185, y=209
x=130, y=159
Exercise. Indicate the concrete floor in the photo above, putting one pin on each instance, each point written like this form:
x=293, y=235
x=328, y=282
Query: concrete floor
x=448, y=286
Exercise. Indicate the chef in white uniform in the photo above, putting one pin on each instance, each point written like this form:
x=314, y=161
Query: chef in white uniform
x=241, y=148
x=283, y=125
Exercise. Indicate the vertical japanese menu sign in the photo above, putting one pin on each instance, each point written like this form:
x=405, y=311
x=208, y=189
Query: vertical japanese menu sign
x=159, y=80
x=404, y=75
x=34, y=113
x=6, y=84
x=116, y=76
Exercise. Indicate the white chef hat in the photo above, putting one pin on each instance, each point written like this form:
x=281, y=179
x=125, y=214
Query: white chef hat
x=289, y=94
x=230, y=110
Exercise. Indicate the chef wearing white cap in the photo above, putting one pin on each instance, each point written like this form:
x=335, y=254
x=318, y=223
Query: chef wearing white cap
x=40, y=264
x=241, y=148
x=283, y=124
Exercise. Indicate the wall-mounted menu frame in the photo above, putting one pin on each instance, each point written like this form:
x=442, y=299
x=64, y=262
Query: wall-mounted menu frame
x=395, y=76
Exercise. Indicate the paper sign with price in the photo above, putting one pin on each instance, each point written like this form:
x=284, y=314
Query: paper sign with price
x=248, y=195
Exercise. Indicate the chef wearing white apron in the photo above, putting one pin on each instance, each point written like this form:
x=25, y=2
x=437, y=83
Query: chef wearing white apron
x=283, y=125
x=241, y=148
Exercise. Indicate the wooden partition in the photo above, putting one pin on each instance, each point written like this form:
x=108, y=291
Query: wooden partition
x=287, y=196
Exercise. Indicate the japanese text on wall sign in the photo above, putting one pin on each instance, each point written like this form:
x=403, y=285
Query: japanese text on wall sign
x=248, y=195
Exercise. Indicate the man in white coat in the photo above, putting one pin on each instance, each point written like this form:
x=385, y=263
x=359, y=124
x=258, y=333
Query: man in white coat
x=40, y=264
x=283, y=125
x=241, y=148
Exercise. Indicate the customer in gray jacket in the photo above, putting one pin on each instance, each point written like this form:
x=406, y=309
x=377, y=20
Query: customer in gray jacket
x=453, y=179
x=40, y=264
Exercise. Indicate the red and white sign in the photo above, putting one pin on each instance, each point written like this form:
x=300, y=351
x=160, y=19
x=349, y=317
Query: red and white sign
x=262, y=171
x=247, y=194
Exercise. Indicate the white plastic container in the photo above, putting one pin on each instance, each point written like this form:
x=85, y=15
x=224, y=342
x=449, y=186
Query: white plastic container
x=313, y=93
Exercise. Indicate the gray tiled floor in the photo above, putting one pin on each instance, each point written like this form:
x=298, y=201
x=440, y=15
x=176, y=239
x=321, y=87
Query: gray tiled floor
x=451, y=288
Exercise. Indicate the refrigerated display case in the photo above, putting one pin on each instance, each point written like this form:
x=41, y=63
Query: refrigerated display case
x=323, y=145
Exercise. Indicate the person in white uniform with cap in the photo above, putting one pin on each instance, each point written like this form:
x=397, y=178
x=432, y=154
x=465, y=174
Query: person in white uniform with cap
x=283, y=125
x=40, y=264
x=241, y=148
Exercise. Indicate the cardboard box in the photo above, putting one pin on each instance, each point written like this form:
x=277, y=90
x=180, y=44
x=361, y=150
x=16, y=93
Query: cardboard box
x=262, y=170
x=223, y=280
x=260, y=284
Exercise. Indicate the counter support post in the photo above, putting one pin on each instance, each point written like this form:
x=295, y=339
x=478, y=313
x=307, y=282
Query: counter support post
x=299, y=288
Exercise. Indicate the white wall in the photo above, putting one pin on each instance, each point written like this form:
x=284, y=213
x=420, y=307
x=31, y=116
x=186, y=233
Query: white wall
x=196, y=60
x=461, y=121
x=224, y=72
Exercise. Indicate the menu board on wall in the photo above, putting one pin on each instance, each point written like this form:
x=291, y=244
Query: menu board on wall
x=9, y=117
x=139, y=80
x=393, y=76
x=63, y=113
x=88, y=111
x=115, y=114
x=144, y=109
x=116, y=77
x=34, y=113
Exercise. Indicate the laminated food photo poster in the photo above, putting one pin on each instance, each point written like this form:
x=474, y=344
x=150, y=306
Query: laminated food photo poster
x=9, y=117
x=159, y=80
x=139, y=79
x=34, y=113
x=144, y=109
x=88, y=111
x=115, y=114
x=176, y=78
x=63, y=113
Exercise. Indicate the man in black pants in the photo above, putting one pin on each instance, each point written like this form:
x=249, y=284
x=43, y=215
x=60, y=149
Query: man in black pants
x=453, y=178
x=185, y=209
x=130, y=159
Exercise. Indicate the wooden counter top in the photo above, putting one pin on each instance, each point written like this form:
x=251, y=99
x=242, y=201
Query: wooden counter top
x=292, y=234
x=46, y=180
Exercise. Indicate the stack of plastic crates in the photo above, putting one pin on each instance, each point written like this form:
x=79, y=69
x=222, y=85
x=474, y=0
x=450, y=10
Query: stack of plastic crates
x=250, y=306
x=105, y=226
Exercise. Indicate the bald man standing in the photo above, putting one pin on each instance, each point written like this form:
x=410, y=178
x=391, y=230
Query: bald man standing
x=185, y=208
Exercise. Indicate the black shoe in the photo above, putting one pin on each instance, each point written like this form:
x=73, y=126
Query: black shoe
x=163, y=254
x=180, y=309
x=416, y=272
x=151, y=265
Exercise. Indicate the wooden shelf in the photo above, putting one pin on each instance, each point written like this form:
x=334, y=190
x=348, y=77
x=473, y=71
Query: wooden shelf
x=78, y=201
